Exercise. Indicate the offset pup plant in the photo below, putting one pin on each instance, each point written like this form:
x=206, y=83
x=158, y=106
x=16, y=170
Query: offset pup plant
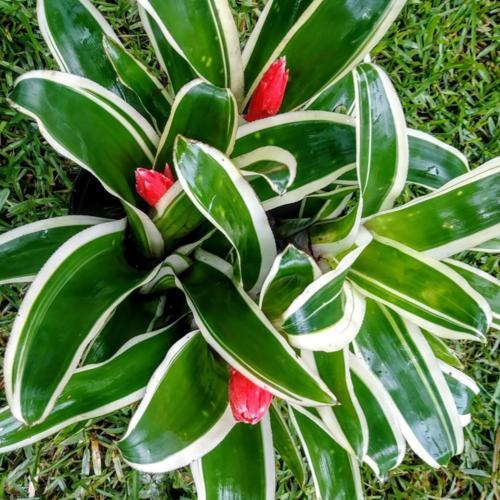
x=263, y=289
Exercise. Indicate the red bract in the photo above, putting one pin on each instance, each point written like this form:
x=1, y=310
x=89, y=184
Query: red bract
x=267, y=98
x=151, y=185
x=249, y=403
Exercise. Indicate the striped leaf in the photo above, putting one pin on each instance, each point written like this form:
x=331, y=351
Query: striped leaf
x=67, y=305
x=432, y=162
x=297, y=29
x=267, y=360
x=491, y=246
x=323, y=145
x=421, y=289
x=242, y=465
x=24, y=250
x=95, y=390
x=386, y=443
x=182, y=415
x=441, y=350
x=337, y=97
x=202, y=32
x=326, y=205
x=484, y=283
x=136, y=315
x=463, y=389
x=291, y=272
x=462, y=214
x=176, y=215
x=382, y=152
x=175, y=66
x=335, y=472
x=286, y=445
x=346, y=420
x=235, y=209
x=328, y=314
x=106, y=137
x=333, y=236
x=397, y=354
x=134, y=75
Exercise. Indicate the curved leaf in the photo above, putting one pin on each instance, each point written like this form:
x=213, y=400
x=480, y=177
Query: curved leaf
x=397, y=354
x=133, y=75
x=347, y=421
x=96, y=390
x=66, y=306
x=462, y=214
x=227, y=318
x=307, y=34
x=382, y=152
x=386, y=443
x=421, y=289
x=327, y=315
x=491, y=246
x=221, y=194
x=291, y=272
x=24, y=250
x=242, y=465
x=106, y=137
x=205, y=35
x=334, y=471
x=326, y=205
x=183, y=415
x=323, y=145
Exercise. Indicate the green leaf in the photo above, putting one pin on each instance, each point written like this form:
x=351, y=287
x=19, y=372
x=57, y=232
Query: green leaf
x=463, y=389
x=491, y=246
x=176, y=216
x=441, y=350
x=276, y=166
x=286, y=444
x=397, y=354
x=433, y=163
x=291, y=272
x=95, y=390
x=106, y=137
x=219, y=191
x=346, y=420
x=136, y=315
x=175, y=66
x=203, y=32
x=227, y=318
x=331, y=237
x=24, y=250
x=326, y=205
x=135, y=76
x=64, y=309
x=297, y=29
x=421, y=289
x=484, y=283
x=335, y=472
x=382, y=153
x=323, y=145
x=327, y=315
x=184, y=413
x=241, y=466
x=337, y=97
x=386, y=443
x=462, y=214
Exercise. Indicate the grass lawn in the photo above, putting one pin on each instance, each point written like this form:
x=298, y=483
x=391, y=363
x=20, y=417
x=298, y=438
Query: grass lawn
x=441, y=56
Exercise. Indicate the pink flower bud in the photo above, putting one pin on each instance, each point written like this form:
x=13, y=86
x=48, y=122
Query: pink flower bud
x=268, y=96
x=152, y=185
x=249, y=402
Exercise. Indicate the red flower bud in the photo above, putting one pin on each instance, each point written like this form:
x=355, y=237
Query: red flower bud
x=268, y=96
x=249, y=403
x=151, y=185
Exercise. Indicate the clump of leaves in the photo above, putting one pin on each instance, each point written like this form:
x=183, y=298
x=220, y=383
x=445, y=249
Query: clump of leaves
x=273, y=251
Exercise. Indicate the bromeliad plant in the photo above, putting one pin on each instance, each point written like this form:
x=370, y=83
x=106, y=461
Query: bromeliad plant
x=260, y=254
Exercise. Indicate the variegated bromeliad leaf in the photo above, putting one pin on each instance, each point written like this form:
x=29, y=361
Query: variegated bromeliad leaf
x=278, y=249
